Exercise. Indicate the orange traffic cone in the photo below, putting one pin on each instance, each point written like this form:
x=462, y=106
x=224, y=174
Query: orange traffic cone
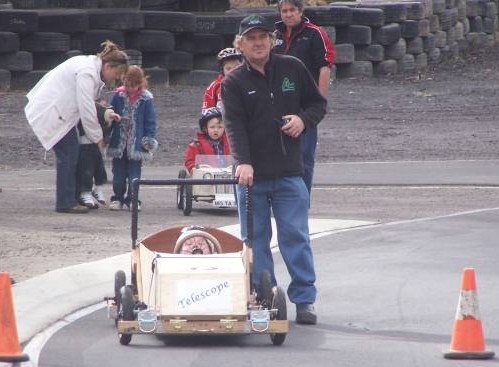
x=467, y=336
x=10, y=350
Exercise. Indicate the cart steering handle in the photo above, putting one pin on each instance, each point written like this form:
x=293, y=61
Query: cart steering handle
x=187, y=181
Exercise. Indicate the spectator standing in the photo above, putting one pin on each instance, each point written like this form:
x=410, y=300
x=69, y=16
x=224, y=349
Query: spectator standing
x=63, y=97
x=133, y=139
x=297, y=36
x=227, y=59
x=90, y=168
x=267, y=104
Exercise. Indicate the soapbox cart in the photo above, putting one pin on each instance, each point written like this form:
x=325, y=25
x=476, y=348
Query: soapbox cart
x=207, y=167
x=175, y=292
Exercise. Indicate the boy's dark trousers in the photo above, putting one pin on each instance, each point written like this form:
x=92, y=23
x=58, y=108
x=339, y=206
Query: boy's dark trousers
x=90, y=167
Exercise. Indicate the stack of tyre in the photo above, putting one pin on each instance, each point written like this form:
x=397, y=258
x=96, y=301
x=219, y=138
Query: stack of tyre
x=164, y=43
x=371, y=37
x=384, y=37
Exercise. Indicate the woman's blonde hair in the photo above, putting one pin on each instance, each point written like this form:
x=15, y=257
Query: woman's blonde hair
x=111, y=54
x=135, y=76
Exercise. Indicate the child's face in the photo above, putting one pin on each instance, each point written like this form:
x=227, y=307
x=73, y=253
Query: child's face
x=130, y=87
x=215, y=128
x=229, y=65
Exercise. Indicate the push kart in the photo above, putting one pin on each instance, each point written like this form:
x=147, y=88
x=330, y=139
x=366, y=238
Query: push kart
x=207, y=167
x=194, y=280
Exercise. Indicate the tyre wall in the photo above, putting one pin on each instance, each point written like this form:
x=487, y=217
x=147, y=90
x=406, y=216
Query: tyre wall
x=371, y=37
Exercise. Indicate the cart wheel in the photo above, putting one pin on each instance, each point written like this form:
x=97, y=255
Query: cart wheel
x=187, y=200
x=180, y=190
x=264, y=292
x=180, y=197
x=279, y=303
x=127, y=304
x=119, y=282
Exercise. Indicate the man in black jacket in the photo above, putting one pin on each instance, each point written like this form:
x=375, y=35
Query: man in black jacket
x=267, y=104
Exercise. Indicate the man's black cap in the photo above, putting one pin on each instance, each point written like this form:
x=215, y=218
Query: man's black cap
x=251, y=22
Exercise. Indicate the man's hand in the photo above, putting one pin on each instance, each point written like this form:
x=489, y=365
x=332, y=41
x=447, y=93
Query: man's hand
x=244, y=172
x=294, y=126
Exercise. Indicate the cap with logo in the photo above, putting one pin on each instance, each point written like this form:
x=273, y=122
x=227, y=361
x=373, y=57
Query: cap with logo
x=253, y=21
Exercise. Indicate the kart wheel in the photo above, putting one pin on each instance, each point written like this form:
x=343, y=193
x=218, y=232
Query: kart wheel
x=279, y=303
x=180, y=197
x=264, y=292
x=181, y=190
x=119, y=282
x=187, y=200
x=127, y=305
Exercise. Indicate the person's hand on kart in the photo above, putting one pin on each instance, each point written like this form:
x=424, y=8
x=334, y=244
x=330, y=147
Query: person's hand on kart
x=294, y=125
x=244, y=173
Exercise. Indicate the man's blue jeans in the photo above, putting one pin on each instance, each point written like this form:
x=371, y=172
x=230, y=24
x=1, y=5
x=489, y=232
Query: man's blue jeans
x=308, y=146
x=66, y=151
x=288, y=199
x=124, y=172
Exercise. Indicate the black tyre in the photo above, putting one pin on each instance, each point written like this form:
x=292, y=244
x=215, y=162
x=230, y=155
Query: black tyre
x=368, y=16
x=17, y=61
x=9, y=41
x=180, y=190
x=177, y=22
x=4, y=80
x=187, y=200
x=119, y=20
x=264, y=294
x=44, y=42
x=329, y=15
x=279, y=303
x=179, y=61
x=64, y=21
x=18, y=21
x=119, y=282
x=200, y=43
x=227, y=24
x=92, y=39
x=25, y=80
x=151, y=41
x=158, y=77
x=48, y=61
x=127, y=305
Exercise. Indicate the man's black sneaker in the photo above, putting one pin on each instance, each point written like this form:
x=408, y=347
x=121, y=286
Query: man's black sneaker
x=305, y=314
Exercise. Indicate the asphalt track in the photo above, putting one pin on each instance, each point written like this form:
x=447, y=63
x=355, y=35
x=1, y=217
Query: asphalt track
x=388, y=292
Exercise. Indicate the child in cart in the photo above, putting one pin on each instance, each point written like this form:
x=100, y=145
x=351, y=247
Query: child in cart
x=211, y=139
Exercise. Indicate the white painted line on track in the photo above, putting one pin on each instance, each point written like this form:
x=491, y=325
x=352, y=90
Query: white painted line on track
x=36, y=344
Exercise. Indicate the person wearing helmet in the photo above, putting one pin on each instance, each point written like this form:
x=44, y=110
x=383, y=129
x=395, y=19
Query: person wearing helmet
x=211, y=139
x=227, y=59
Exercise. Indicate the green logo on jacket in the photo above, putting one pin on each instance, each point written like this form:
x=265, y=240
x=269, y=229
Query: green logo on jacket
x=287, y=85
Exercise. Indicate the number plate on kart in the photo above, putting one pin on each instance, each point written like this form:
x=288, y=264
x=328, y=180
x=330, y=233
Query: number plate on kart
x=224, y=201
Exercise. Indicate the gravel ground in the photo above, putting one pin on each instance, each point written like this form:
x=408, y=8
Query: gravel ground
x=448, y=113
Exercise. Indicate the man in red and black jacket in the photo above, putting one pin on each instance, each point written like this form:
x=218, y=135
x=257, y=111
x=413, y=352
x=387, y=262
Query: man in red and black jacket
x=296, y=36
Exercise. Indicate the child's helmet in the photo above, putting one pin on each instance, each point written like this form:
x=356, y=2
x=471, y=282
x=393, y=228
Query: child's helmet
x=228, y=54
x=208, y=114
